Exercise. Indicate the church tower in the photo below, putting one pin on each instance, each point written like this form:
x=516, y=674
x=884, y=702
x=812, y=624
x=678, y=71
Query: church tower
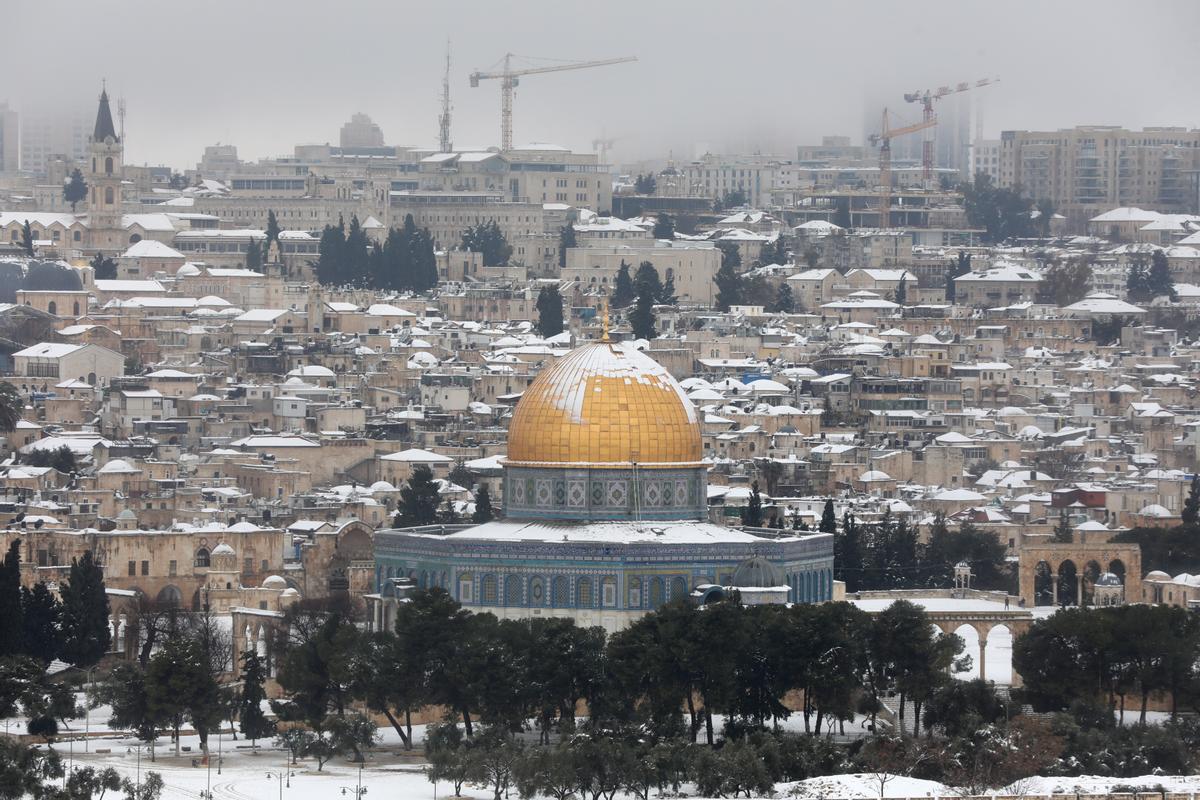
x=104, y=182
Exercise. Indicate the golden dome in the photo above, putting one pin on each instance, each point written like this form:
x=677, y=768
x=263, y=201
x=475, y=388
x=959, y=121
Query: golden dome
x=604, y=404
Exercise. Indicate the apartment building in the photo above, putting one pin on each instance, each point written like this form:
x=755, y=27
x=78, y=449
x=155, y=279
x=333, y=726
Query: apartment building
x=1089, y=169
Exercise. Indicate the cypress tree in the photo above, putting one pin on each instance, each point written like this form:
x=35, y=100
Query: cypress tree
x=752, y=514
x=41, y=618
x=550, y=312
x=483, y=506
x=254, y=256
x=646, y=281
x=828, y=519
x=251, y=720
x=357, y=254
x=623, y=291
x=272, y=231
x=75, y=189
x=785, y=303
x=86, y=637
x=566, y=240
x=1159, y=282
x=27, y=239
x=1191, y=506
x=10, y=601
x=641, y=319
x=331, y=254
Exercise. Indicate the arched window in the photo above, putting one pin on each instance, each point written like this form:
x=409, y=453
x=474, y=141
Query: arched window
x=108, y=165
x=635, y=593
x=202, y=557
x=488, y=590
x=512, y=590
x=583, y=592
x=466, y=588
x=77, y=236
x=537, y=592
x=135, y=238
x=560, y=592
x=679, y=588
x=16, y=235
x=657, y=593
x=108, y=195
x=608, y=592
x=52, y=307
x=76, y=308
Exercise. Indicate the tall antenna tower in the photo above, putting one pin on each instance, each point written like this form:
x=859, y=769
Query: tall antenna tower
x=121, y=115
x=444, y=143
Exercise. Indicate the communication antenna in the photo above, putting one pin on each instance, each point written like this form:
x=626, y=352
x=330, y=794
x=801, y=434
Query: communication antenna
x=121, y=115
x=444, y=143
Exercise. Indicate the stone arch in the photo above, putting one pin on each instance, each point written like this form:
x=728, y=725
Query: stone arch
x=996, y=640
x=1089, y=576
x=1043, y=585
x=52, y=308
x=170, y=595
x=75, y=309
x=1117, y=567
x=203, y=557
x=1070, y=590
x=135, y=238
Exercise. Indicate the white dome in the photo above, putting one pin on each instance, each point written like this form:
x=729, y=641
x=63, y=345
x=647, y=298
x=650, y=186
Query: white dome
x=274, y=582
x=382, y=486
x=874, y=475
x=188, y=270
x=223, y=550
x=1155, y=510
x=1157, y=575
x=289, y=593
x=1011, y=411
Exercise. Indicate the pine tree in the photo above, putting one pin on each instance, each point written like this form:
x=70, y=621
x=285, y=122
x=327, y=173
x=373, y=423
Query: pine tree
x=424, y=260
x=41, y=619
x=86, y=636
x=12, y=406
x=75, y=189
x=1191, y=506
x=664, y=226
x=828, y=519
x=752, y=514
x=566, y=240
x=331, y=254
x=667, y=296
x=623, y=291
x=103, y=269
x=784, y=302
x=959, y=267
x=418, y=499
x=251, y=719
x=272, y=231
x=254, y=255
x=483, y=506
x=1062, y=530
x=729, y=282
x=11, y=628
x=487, y=239
x=902, y=293
x=642, y=318
x=357, y=254
x=27, y=239
x=550, y=312
x=646, y=281
x=1159, y=282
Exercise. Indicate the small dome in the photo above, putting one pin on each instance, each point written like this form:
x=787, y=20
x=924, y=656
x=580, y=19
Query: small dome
x=1157, y=575
x=1155, y=510
x=127, y=514
x=874, y=475
x=187, y=271
x=1108, y=579
x=382, y=486
x=757, y=571
x=274, y=582
x=223, y=550
x=289, y=593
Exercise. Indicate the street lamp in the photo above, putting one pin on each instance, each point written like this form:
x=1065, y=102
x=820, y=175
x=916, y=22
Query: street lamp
x=358, y=790
x=280, y=776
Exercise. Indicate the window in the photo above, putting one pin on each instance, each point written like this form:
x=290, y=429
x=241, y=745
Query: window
x=132, y=568
x=466, y=589
x=145, y=567
x=583, y=592
x=635, y=592
x=488, y=590
x=172, y=567
x=609, y=592
x=264, y=561
x=247, y=565
x=202, y=559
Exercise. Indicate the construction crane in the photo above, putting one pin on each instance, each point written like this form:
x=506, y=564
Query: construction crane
x=926, y=98
x=444, y=143
x=884, y=140
x=602, y=146
x=509, y=79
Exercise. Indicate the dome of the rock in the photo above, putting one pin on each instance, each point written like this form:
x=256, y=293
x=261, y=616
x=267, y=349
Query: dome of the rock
x=605, y=404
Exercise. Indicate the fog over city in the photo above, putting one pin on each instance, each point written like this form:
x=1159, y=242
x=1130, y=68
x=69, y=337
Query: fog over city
x=709, y=75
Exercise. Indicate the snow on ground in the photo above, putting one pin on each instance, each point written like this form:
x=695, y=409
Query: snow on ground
x=1096, y=784
x=862, y=785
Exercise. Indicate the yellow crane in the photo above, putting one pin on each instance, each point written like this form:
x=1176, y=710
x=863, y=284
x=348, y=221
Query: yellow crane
x=884, y=140
x=509, y=79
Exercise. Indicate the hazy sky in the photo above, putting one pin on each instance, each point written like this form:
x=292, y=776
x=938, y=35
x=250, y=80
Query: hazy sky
x=268, y=74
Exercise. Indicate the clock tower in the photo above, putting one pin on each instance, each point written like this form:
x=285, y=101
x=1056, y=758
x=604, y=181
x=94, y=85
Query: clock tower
x=104, y=178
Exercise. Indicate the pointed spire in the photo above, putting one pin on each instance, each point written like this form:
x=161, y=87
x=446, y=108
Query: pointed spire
x=104, y=121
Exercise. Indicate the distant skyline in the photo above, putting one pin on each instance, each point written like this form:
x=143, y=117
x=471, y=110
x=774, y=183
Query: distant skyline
x=266, y=76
